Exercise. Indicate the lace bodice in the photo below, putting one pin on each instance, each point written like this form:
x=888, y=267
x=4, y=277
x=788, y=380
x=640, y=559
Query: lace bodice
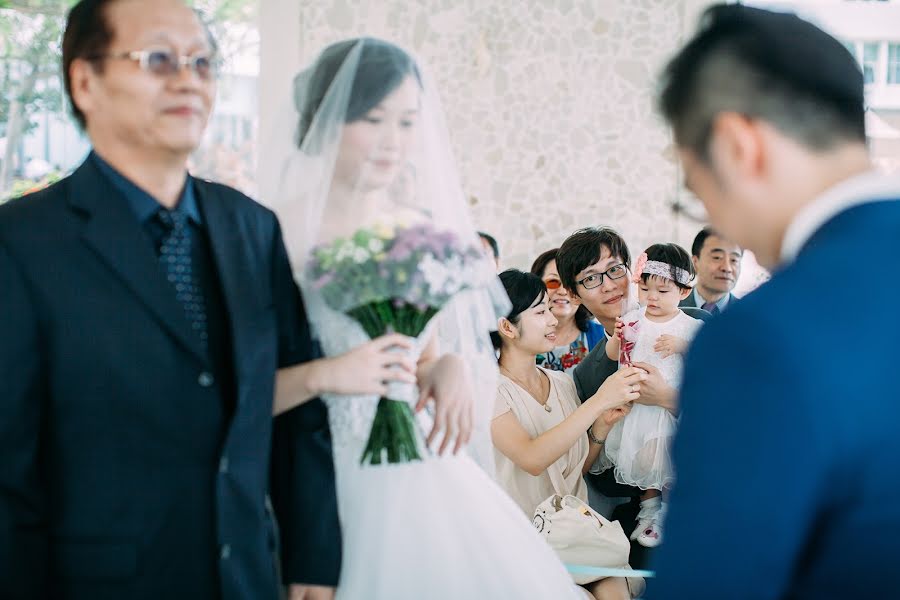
x=349, y=417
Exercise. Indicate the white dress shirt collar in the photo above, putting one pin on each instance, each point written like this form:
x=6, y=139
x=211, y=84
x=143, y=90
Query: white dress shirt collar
x=870, y=186
x=699, y=300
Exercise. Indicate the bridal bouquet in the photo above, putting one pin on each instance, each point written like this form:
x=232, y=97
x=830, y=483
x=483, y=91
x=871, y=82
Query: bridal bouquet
x=393, y=279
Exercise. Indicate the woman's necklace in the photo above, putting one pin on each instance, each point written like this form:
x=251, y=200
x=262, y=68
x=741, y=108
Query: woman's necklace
x=541, y=393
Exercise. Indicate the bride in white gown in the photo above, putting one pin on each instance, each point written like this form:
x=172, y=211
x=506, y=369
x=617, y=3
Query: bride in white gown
x=369, y=147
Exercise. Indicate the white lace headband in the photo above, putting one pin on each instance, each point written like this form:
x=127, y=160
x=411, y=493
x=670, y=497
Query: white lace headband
x=661, y=269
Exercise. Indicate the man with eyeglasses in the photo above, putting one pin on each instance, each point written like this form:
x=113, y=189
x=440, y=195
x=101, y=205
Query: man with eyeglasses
x=594, y=265
x=144, y=314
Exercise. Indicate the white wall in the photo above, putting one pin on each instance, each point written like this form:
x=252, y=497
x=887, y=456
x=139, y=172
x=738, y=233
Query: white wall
x=549, y=103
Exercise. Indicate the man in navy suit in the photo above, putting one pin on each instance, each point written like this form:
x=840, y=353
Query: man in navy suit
x=143, y=315
x=717, y=262
x=787, y=452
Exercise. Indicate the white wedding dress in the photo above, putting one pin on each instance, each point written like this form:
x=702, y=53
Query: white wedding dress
x=434, y=529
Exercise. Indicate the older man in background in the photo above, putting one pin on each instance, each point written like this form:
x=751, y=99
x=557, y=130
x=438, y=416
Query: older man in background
x=718, y=265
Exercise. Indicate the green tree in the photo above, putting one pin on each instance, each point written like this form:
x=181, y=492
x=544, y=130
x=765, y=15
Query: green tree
x=29, y=69
x=30, y=73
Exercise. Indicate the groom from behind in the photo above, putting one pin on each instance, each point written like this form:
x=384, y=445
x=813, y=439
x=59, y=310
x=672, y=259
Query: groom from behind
x=786, y=458
x=144, y=314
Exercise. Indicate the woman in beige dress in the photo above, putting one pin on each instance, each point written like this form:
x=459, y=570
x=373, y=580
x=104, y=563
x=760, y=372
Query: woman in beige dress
x=544, y=439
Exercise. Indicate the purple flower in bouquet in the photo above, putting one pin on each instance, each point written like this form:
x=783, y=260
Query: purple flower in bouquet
x=394, y=280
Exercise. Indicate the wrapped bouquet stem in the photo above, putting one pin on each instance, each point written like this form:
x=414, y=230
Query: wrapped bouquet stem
x=393, y=430
x=393, y=280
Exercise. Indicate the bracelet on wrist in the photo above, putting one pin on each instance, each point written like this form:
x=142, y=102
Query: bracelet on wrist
x=593, y=437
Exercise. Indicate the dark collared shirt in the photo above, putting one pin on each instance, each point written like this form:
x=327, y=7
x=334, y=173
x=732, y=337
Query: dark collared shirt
x=145, y=208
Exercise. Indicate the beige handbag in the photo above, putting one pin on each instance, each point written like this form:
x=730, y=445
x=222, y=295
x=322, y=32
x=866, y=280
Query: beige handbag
x=580, y=535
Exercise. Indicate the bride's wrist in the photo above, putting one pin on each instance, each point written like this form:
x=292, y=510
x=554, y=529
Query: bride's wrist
x=318, y=381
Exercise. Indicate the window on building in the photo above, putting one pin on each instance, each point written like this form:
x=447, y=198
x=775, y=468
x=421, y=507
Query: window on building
x=893, y=66
x=870, y=61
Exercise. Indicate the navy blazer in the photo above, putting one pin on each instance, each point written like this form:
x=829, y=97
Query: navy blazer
x=121, y=476
x=787, y=452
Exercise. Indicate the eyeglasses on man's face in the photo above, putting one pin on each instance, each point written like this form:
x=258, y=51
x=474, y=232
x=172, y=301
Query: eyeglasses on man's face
x=595, y=280
x=166, y=63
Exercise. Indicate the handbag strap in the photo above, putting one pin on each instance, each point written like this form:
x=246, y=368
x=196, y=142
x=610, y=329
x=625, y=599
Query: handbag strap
x=554, y=470
x=558, y=480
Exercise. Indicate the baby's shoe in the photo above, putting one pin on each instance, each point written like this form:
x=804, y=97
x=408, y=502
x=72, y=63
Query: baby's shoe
x=649, y=508
x=651, y=535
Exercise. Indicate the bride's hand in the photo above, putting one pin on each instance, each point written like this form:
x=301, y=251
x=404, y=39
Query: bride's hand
x=367, y=369
x=447, y=383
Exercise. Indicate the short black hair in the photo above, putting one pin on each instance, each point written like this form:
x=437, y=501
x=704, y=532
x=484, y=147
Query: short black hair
x=87, y=36
x=524, y=290
x=382, y=68
x=766, y=65
x=492, y=242
x=582, y=315
x=700, y=239
x=584, y=247
x=675, y=257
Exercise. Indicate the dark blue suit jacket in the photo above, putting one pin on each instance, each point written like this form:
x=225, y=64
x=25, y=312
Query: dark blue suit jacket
x=788, y=450
x=121, y=476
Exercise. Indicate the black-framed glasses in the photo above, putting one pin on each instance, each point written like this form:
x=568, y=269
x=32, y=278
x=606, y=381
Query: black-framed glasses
x=596, y=279
x=165, y=63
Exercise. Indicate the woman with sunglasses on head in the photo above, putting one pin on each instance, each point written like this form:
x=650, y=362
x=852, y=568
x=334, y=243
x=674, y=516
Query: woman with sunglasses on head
x=577, y=332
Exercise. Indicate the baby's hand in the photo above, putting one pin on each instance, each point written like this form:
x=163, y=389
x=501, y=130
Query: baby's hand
x=667, y=345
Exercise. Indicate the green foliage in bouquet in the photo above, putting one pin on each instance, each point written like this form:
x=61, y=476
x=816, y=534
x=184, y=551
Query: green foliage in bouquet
x=393, y=280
